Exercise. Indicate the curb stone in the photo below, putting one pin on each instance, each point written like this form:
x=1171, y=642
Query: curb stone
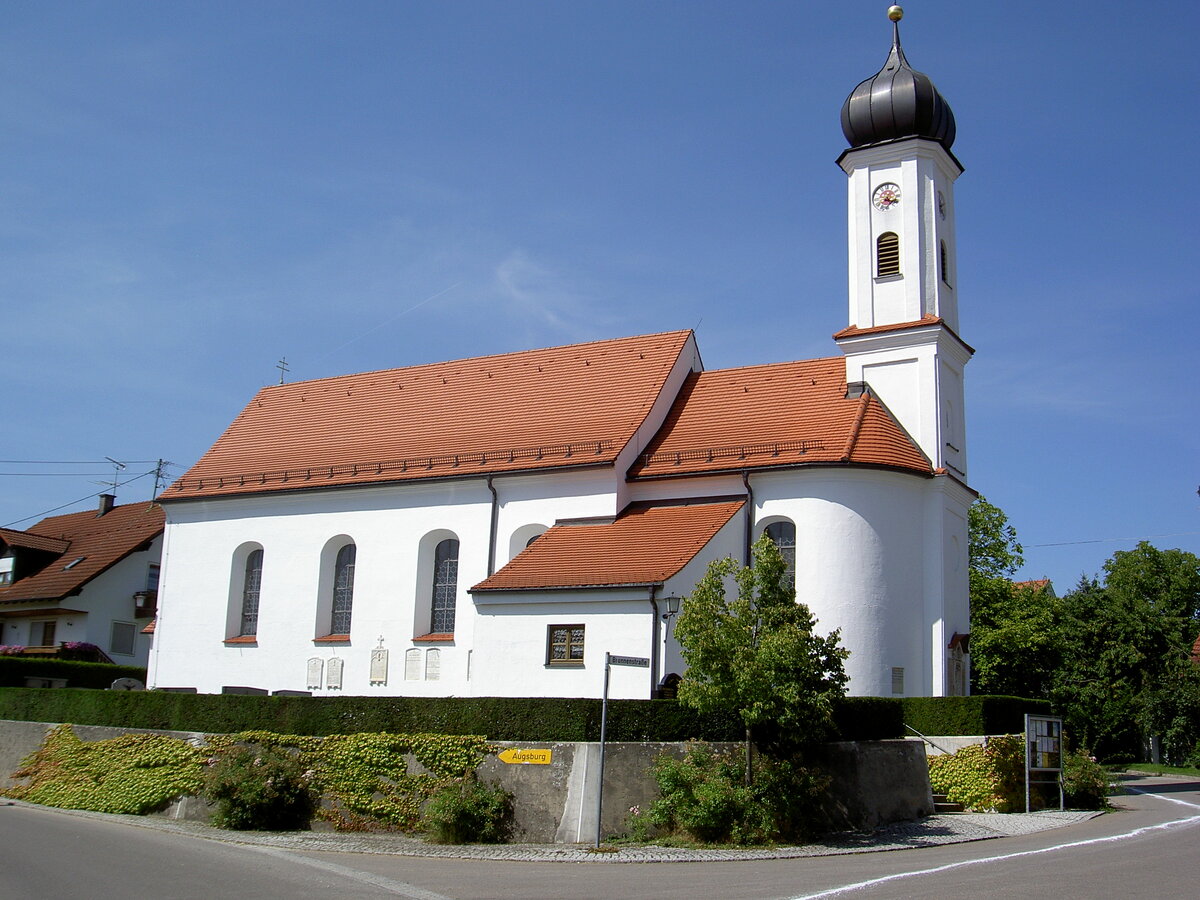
x=932, y=831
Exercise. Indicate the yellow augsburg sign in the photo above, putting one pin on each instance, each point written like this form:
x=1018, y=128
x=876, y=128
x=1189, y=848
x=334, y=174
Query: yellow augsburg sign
x=513, y=756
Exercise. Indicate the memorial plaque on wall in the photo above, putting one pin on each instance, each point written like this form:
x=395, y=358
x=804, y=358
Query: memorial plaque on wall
x=333, y=674
x=433, y=664
x=316, y=670
x=379, y=666
x=412, y=665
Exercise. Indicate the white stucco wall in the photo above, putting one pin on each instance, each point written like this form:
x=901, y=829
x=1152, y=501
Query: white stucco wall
x=865, y=541
x=200, y=593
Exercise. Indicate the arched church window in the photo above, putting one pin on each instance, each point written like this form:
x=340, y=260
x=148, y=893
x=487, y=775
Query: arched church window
x=887, y=254
x=343, y=591
x=251, y=586
x=445, y=587
x=783, y=535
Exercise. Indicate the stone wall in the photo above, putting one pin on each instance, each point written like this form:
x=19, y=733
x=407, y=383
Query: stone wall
x=873, y=783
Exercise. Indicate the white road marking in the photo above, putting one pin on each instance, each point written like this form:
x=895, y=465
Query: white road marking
x=400, y=888
x=1137, y=832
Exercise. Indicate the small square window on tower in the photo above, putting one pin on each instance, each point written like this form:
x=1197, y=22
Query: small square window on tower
x=564, y=645
x=897, y=679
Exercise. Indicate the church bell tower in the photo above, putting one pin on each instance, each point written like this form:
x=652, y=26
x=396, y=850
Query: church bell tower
x=902, y=340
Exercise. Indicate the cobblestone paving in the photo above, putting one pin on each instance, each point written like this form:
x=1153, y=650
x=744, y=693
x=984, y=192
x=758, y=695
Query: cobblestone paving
x=955, y=828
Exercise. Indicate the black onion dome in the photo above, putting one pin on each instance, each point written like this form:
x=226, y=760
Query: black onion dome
x=897, y=102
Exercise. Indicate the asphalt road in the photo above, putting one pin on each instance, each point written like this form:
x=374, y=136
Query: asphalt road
x=1148, y=848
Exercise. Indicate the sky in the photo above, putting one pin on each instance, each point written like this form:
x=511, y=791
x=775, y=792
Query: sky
x=191, y=192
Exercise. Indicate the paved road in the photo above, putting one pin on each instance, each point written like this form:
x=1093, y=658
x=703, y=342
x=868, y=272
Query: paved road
x=1146, y=849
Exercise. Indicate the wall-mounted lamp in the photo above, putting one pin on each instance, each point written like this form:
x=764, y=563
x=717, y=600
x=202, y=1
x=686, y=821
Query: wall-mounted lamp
x=672, y=604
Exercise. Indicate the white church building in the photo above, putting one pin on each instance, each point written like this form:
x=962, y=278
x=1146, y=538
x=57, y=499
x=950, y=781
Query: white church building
x=493, y=526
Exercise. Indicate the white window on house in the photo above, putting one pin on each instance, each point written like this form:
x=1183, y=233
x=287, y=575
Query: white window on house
x=343, y=591
x=783, y=535
x=6, y=569
x=412, y=665
x=251, y=587
x=152, y=577
x=122, y=639
x=445, y=587
x=433, y=664
x=897, y=679
x=564, y=645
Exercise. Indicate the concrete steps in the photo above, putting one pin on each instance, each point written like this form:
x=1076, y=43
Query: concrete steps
x=943, y=805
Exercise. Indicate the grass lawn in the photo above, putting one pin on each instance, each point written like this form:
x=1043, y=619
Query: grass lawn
x=1155, y=769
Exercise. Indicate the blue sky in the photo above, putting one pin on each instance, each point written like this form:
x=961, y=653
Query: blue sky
x=191, y=191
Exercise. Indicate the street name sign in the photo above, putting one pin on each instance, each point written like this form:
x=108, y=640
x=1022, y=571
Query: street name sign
x=639, y=662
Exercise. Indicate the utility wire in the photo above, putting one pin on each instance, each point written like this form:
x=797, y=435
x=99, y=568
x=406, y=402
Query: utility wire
x=66, y=462
x=81, y=499
x=1113, y=540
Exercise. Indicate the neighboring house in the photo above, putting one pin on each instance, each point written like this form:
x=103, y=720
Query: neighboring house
x=495, y=525
x=88, y=577
x=1038, y=586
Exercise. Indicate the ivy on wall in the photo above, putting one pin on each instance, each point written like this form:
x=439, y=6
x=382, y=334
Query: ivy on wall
x=134, y=773
x=363, y=779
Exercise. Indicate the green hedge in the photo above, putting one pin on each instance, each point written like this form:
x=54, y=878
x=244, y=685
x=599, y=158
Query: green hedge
x=499, y=718
x=970, y=715
x=15, y=669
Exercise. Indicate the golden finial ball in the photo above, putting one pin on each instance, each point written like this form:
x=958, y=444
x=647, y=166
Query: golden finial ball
x=895, y=13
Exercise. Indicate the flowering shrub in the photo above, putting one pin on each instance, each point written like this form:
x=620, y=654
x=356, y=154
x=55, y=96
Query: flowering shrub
x=11, y=649
x=1085, y=783
x=468, y=812
x=79, y=645
x=260, y=789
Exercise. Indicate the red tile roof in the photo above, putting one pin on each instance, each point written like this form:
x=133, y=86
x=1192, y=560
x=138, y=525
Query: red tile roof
x=645, y=545
x=98, y=542
x=32, y=541
x=786, y=414
x=537, y=409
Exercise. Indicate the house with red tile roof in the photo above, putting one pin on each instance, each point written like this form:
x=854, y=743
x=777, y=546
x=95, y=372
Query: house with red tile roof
x=82, y=578
x=496, y=525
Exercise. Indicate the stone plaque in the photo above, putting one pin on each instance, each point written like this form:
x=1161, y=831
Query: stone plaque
x=379, y=666
x=316, y=669
x=433, y=665
x=412, y=665
x=333, y=674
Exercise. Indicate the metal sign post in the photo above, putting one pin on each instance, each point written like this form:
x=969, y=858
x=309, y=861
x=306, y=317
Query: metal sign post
x=640, y=662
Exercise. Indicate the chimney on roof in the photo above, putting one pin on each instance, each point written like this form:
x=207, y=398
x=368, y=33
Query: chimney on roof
x=106, y=504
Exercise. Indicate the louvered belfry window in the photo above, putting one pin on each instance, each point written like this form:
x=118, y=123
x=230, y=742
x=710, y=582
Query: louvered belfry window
x=251, y=586
x=945, y=264
x=343, y=591
x=445, y=587
x=887, y=254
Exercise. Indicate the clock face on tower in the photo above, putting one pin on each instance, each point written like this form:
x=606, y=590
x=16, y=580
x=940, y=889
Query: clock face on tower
x=886, y=196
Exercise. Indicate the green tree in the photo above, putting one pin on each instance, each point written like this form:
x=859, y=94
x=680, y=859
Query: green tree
x=1013, y=628
x=1125, y=672
x=756, y=652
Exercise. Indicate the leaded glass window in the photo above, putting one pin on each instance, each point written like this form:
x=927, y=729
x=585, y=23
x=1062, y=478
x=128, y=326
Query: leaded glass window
x=783, y=536
x=445, y=587
x=343, y=591
x=564, y=645
x=251, y=586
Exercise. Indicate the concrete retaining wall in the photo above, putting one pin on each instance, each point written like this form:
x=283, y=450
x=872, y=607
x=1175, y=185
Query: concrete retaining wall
x=873, y=783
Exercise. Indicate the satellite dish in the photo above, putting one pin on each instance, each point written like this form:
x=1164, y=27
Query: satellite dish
x=127, y=684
